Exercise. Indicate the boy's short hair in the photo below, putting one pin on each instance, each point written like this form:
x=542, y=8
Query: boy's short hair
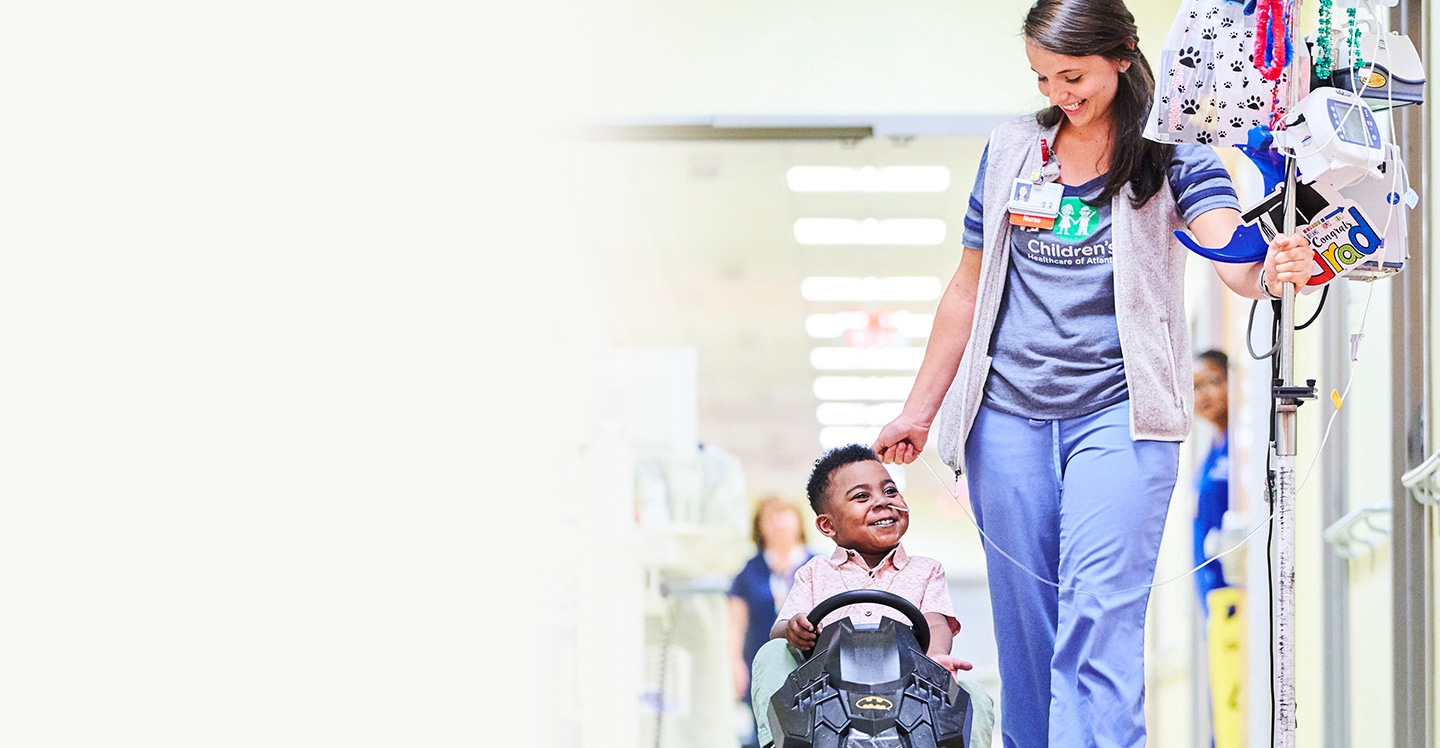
x=819, y=483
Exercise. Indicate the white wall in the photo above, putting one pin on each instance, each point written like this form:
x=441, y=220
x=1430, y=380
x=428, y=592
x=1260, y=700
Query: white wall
x=661, y=58
x=1371, y=482
x=261, y=477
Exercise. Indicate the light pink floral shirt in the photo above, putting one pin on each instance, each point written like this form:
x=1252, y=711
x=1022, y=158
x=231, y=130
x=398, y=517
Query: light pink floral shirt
x=919, y=579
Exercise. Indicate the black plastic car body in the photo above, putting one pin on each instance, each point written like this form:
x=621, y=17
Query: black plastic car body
x=870, y=686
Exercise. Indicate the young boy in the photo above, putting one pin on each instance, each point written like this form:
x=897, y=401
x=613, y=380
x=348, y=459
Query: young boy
x=858, y=506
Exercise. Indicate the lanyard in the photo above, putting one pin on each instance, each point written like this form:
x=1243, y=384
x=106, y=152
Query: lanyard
x=1049, y=170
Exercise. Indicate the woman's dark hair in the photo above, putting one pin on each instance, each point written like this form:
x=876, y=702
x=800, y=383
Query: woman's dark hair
x=1218, y=358
x=819, y=483
x=774, y=504
x=1080, y=28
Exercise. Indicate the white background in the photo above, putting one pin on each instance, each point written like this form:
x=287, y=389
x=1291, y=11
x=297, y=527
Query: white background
x=259, y=422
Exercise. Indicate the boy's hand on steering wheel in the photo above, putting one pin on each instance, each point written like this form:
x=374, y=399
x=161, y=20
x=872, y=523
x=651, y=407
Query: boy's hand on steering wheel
x=800, y=633
x=953, y=664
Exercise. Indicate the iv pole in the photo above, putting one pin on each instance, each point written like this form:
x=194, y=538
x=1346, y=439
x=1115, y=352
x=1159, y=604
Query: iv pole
x=1287, y=401
x=1282, y=488
x=1283, y=471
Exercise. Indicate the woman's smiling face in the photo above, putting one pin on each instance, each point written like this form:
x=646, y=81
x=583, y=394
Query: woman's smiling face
x=1083, y=87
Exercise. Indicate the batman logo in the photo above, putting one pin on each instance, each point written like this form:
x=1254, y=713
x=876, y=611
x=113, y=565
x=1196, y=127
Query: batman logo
x=878, y=703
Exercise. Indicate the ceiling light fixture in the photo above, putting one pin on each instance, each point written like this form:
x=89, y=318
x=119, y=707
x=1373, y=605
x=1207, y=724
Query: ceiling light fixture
x=838, y=436
x=862, y=388
x=868, y=179
x=835, y=358
x=894, y=288
x=857, y=414
x=870, y=231
x=901, y=322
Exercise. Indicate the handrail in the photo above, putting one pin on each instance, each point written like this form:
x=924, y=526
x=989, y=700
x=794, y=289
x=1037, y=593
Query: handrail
x=1365, y=526
x=1421, y=480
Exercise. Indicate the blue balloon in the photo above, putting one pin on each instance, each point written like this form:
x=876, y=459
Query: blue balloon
x=1247, y=244
x=1271, y=163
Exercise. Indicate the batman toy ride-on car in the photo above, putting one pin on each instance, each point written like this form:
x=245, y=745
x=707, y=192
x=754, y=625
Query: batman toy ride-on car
x=870, y=686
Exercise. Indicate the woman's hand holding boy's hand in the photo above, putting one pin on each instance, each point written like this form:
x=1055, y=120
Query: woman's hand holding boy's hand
x=953, y=664
x=901, y=440
x=800, y=633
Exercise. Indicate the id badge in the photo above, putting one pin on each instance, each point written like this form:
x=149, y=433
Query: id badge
x=1039, y=200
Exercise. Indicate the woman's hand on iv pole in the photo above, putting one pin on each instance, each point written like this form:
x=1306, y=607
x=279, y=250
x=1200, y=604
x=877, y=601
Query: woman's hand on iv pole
x=1289, y=260
x=901, y=440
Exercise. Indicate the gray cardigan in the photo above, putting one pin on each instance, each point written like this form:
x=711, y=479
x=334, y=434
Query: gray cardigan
x=1149, y=267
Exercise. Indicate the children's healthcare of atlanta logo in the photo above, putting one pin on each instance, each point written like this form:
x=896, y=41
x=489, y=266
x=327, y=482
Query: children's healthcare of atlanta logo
x=1076, y=220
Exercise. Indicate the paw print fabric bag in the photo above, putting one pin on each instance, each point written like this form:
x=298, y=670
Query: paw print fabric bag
x=1207, y=89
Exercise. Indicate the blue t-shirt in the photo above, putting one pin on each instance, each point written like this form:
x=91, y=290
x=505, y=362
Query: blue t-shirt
x=752, y=585
x=1212, y=488
x=757, y=586
x=1056, y=345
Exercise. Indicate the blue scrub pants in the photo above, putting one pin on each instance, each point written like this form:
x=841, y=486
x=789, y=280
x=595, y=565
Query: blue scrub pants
x=1078, y=501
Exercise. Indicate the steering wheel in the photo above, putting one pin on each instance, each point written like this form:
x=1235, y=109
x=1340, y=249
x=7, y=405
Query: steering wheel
x=875, y=597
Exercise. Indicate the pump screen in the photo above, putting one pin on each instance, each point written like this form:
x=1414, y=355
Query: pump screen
x=1349, y=123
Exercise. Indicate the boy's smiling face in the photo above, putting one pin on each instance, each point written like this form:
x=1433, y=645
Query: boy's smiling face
x=858, y=514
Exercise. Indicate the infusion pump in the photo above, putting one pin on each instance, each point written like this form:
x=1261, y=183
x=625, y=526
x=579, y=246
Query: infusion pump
x=1333, y=133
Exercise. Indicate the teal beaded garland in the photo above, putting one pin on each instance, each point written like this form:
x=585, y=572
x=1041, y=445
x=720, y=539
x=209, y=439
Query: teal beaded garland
x=1324, y=50
x=1352, y=39
x=1324, y=59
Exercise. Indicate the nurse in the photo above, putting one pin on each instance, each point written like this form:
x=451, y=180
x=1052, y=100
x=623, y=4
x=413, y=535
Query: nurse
x=1061, y=356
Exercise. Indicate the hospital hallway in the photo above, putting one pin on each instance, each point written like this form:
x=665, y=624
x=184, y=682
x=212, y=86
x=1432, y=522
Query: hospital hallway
x=768, y=245
x=467, y=374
